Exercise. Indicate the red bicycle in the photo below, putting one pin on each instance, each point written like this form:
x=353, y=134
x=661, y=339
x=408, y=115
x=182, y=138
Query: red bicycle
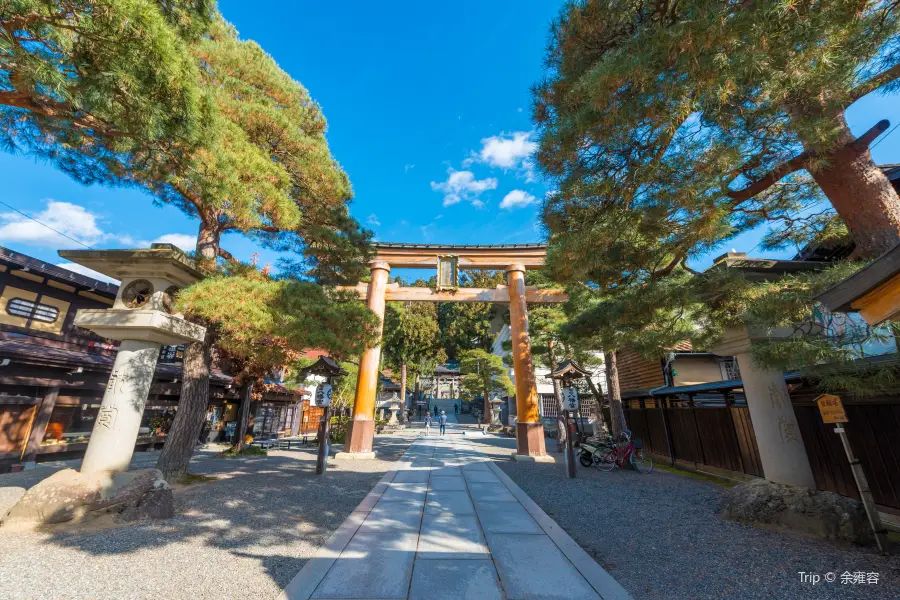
x=631, y=451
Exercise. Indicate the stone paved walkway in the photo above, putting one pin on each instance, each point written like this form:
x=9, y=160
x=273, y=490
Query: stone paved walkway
x=447, y=523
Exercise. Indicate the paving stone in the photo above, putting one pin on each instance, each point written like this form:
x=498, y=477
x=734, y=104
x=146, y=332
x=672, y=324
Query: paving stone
x=455, y=484
x=506, y=517
x=489, y=492
x=412, y=476
x=451, y=536
x=389, y=516
x=411, y=492
x=480, y=476
x=446, y=472
x=475, y=466
x=455, y=580
x=368, y=572
x=445, y=501
x=531, y=566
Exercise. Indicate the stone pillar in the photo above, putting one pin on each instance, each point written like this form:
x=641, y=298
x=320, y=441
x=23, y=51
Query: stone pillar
x=529, y=429
x=781, y=450
x=116, y=428
x=362, y=429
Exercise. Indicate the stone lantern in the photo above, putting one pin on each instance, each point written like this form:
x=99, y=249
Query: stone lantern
x=142, y=319
x=394, y=408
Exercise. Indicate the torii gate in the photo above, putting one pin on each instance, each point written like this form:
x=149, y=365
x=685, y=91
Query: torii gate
x=448, y=259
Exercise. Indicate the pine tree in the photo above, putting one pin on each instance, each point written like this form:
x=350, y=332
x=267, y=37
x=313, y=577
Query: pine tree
x=671, y=127
x=100, y=87
x=263, y=169
x=263, y=324
x=469, y=325
x=483, y=373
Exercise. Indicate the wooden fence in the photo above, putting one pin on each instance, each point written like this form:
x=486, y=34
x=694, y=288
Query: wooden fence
x=874, y=433
x=716, y=436
x=721, y=435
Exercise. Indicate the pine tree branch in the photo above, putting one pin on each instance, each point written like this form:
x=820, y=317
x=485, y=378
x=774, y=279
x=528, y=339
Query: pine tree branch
x=771, y=178
x=801, y=161
x=875, y=82
x=223, y=253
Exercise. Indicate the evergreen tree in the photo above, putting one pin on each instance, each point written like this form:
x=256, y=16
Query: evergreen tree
x=469, y=325
x=411, y=338
x=264, y=169
x=263, y=324
x=483, y=373
x=671, y=128
x=100, y=87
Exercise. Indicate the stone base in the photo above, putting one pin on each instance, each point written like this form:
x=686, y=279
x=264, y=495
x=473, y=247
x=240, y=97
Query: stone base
x=354, y=456
x=534, y=459
x=530, y=439
x=802, y=510
x=359, y=436
x=71, y=496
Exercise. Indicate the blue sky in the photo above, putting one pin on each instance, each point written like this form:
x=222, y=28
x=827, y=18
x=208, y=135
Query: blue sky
x=428, y=106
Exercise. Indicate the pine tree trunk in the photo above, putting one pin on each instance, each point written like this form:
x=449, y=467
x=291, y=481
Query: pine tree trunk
x=403, y=393
x=616, y=412
x=244, y=414
x=487, y=407
x=862, y=196
x=182, y=438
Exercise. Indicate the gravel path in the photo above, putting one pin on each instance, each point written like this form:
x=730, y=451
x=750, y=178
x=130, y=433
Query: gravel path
x=242, y=536
x=659, y=536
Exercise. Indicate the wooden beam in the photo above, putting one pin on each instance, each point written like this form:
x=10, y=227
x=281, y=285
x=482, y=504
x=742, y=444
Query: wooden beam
x=500, y=294
x=409, y=256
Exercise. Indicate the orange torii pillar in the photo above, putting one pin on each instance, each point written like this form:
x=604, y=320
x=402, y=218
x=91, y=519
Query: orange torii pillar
x=529, y=428
x=358, y=444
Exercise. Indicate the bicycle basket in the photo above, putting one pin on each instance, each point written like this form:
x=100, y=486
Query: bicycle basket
x=638, y=444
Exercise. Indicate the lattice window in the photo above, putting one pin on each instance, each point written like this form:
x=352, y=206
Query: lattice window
x=20, y=307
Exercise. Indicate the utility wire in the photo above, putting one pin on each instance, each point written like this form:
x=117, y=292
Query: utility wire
x=884, y=137
x=45, y=225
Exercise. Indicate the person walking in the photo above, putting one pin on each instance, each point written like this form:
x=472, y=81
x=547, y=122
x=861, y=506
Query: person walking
x=455, y=409
x=427, y=423
x=443, y=421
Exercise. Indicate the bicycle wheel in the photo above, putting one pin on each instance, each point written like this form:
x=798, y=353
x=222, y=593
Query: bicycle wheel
x=642, y=463
x=606, y=461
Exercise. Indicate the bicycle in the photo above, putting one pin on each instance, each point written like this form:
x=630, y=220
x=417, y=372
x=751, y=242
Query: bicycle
x=632, y=451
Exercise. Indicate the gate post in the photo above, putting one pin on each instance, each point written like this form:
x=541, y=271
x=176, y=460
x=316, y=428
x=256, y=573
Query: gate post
x=358, y=443
x=529, y=429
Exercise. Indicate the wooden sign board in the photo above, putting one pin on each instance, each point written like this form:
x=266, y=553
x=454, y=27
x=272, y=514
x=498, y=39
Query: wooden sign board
x=831, y=408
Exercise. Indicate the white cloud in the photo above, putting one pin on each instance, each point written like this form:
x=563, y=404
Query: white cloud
x=408, y=166
x=517, y=199
x=462, y=185
x=511, y=151
x=186, y=242
x=82, y=270
x=69, y=219
x=372, y=220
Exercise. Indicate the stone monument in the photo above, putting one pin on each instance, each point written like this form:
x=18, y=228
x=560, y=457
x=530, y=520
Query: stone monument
x=142, y=320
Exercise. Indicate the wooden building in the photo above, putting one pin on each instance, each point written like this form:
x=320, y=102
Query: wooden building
x=52, y=374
